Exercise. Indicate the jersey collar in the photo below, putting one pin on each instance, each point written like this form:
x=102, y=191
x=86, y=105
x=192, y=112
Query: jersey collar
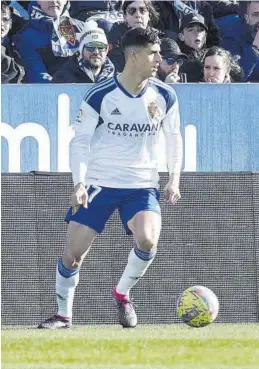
x=127, y=93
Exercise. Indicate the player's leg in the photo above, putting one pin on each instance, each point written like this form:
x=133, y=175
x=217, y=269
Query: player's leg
x=146, y=227
x=141, y=216
x=84, y=225
x=79, y=240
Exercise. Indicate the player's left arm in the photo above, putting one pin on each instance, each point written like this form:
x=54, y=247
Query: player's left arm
x=174, y=151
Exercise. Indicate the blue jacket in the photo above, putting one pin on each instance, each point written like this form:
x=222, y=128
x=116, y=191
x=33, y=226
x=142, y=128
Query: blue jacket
x=39, y=44
x=240, y=45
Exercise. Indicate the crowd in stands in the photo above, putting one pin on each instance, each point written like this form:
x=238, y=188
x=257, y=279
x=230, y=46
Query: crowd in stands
x=80, y=41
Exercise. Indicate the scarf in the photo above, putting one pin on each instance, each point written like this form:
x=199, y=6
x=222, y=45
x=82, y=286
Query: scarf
x=107, y=70
x=65, y=31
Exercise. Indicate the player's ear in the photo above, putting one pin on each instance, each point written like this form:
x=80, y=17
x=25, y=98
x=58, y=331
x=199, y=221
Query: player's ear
x=181, y=36
x=246, y=18
x=133, y=55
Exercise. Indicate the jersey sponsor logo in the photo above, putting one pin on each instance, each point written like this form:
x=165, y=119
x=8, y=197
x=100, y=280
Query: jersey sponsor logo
x=116, y=112
x=133, y=130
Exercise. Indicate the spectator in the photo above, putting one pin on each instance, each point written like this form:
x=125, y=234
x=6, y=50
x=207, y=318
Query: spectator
x=245, y=45
x=91, y=63
x=50, y=37
x=193, y=33
x=11, y=68
x=203, y=8
x=172, y=59
x=220, y=67
x=136, y=14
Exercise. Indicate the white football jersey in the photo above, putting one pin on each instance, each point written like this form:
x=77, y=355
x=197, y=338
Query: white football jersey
x=117, y=134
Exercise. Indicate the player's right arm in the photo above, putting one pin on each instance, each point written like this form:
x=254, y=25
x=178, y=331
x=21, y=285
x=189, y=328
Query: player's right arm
x=84, y=127
x=174, y=150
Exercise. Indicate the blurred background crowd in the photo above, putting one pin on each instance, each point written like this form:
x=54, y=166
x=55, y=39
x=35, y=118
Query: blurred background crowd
x=80, y=41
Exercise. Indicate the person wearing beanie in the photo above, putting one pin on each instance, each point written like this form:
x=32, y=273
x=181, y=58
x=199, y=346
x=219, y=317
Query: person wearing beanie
x=90, y=64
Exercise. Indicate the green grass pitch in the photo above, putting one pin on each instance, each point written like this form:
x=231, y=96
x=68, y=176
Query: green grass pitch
x=218, y=346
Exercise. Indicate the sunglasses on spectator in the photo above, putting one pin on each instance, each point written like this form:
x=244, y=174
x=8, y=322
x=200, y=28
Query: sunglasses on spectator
x=132, y=10
x=174, y=59
x=92, y=48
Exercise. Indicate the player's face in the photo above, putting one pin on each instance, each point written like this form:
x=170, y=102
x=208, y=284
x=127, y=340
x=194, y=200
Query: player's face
x=214, y=69
x=95, y=55
x=148, y=60
x=194, y=36
x=52, y=8
x=137, y=15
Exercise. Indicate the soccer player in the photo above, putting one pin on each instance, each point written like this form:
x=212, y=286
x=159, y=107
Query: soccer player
x=115, y=154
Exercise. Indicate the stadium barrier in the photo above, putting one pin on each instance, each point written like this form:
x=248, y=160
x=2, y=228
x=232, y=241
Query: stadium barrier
x=211, y=237
x=219, y=125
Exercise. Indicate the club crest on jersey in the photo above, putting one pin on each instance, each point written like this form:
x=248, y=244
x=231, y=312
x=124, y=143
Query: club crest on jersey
x=152, y=109
x=79, y=116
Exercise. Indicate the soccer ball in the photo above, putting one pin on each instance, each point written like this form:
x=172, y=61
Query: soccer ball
x=198, y=306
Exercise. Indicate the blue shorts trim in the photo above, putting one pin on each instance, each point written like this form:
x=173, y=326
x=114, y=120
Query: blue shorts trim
x=103, y=201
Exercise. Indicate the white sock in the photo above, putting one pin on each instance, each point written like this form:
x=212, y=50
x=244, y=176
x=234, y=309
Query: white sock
x=65, y=289
x=138, y=263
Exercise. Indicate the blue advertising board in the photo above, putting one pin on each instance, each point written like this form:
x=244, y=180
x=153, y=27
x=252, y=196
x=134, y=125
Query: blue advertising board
x=219, y=123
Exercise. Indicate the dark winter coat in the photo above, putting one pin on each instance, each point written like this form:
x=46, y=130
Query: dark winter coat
x=193, y=68
x=71, y=72
x=240, y=44
x=226, y=14
x=168, y=17
x=83, y=9
x=11, y=69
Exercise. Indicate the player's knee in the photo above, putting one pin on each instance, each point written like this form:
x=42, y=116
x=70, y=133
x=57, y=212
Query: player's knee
x=70, y=260
x=147, y=244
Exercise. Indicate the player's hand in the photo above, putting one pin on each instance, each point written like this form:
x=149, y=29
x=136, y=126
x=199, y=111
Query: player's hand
x=171, y=193
x=79, y=197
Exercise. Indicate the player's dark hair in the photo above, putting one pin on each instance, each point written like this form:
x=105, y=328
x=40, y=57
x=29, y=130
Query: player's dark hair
x=139, y=37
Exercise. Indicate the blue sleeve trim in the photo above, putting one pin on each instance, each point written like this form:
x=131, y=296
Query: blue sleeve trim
x=95, y=95
x=167, y=92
